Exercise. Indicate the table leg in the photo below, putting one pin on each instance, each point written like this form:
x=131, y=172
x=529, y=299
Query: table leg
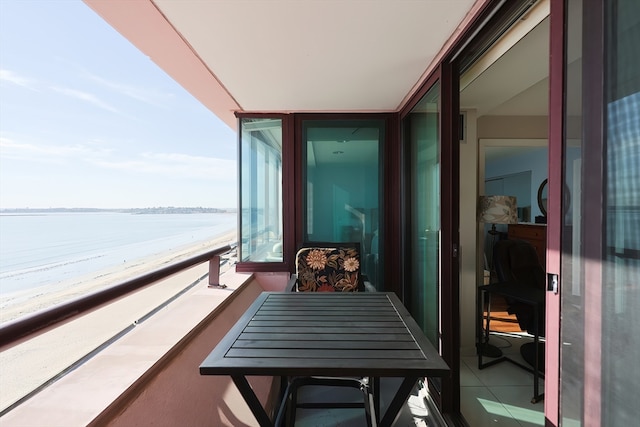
x=479, y=325
x=488, y=327
x=376, y=396
x=398, y=400
x=252, y=400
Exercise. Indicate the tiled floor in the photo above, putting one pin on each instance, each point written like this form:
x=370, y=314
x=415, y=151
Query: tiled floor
x=414, y=412
x=499, y=395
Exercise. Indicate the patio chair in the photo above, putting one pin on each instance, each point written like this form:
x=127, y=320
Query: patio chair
x=516, y=261
x=329, y=267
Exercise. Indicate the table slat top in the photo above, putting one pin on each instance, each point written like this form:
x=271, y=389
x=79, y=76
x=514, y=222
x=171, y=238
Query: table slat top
x=362, y=333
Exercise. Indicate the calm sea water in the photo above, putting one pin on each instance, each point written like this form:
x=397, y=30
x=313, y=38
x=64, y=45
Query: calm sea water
x=40, y=249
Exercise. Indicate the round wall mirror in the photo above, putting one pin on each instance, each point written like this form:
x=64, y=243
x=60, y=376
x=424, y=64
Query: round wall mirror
x=542, y=197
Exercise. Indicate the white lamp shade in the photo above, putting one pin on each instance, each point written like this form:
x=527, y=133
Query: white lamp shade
x=497, y=209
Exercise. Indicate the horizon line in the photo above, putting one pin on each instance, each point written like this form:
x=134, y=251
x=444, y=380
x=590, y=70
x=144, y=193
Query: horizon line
x=112, y=209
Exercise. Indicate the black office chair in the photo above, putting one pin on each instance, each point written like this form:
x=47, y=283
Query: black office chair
x=328, y=267
x=516, y=261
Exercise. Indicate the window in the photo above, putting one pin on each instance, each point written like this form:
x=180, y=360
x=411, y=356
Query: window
x=261, y=190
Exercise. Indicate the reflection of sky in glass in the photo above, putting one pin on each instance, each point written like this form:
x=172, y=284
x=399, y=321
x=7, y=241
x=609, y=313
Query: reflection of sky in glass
x=623, y=169
x=621, y=258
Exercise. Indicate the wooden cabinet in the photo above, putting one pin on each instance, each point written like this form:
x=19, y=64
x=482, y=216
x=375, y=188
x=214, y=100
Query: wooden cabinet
x=536, y=234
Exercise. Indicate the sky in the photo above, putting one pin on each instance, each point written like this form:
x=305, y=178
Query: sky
x=87, y=120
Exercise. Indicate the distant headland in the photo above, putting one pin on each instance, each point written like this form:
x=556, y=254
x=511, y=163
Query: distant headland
x=134, y=211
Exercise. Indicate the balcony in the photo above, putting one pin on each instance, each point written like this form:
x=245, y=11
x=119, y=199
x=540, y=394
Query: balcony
x=112, y=366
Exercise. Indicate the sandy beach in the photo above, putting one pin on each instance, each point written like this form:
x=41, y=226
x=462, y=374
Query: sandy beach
x=21, y=303
x=28, y=365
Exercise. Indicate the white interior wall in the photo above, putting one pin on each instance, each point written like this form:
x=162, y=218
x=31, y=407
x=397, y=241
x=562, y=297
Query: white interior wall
x=468, y=234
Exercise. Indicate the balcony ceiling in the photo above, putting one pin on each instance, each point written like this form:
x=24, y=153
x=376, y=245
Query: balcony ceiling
x=285, y=55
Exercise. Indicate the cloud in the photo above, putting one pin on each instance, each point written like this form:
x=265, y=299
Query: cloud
x=96, y=155
x=12, y=149
x=176, y=164
x=51, y=175
x=143, y=95
x=86, y=96
x=13, y=78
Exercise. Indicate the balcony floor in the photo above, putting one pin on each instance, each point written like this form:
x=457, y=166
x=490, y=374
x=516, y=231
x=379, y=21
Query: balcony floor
x=414, y=412
x=499, y=395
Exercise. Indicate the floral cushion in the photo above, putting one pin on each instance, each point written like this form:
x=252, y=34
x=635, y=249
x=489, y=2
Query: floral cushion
x=321, y=269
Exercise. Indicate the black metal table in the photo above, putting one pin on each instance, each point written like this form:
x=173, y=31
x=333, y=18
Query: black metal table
x=368, y=334
x=527, y=295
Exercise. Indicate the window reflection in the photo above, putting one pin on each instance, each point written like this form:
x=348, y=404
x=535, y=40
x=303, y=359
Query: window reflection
x=621, y=269
x=261, y=190
x=342, y=174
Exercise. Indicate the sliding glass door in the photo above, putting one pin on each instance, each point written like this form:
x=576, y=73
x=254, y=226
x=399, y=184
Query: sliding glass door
x=600, y=290
x=342, y=193
x=421, y=130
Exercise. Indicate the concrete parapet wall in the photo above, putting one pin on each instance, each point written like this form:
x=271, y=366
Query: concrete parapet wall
x=150, y=376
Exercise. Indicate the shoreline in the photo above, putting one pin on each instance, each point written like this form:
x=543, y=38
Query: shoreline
x=17, y=304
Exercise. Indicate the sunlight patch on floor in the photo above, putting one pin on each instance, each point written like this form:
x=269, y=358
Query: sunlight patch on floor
x=495, y=408
x=518, y=413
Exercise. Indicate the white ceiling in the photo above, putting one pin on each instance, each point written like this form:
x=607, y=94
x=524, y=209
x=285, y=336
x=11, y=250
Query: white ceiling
x=516, y=82
x=286, y=55
x=309, y=55
x=330, y=55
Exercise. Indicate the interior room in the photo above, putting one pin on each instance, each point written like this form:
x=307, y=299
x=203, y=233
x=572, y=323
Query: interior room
x=504, y=101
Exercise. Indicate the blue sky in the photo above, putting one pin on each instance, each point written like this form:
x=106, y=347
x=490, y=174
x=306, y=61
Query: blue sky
x=86, y=120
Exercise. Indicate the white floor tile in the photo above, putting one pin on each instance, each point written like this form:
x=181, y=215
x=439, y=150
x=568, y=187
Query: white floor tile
x=467, y=377
x=500, y=394
x=517, y=400
x=481, y=408
x=503, y=373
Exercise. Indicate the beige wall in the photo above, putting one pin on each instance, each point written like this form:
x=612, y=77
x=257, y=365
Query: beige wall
x=468, y=251
x=150, y=375
x=178, y=395
x=516, y=127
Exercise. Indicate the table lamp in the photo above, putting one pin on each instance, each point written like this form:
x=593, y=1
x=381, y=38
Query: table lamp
x=495, y=210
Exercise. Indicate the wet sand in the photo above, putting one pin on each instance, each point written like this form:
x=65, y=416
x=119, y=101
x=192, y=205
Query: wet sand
x=22, y=303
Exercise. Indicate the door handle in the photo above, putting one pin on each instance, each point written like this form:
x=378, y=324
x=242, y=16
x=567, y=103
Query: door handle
x=552, y=282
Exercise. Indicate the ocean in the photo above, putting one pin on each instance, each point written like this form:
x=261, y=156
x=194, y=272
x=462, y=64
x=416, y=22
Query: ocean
x=47, y=248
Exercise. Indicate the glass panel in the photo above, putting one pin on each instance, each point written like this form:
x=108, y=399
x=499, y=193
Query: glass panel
x=621, y=266
x=261, y=190
x=342, y=172
x=619, y=373
x=572, y=339
x=572, y=333
x=423, y=137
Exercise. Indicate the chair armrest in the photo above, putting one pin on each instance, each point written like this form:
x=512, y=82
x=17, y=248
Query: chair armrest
x=368, y=287
x=291, y=285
